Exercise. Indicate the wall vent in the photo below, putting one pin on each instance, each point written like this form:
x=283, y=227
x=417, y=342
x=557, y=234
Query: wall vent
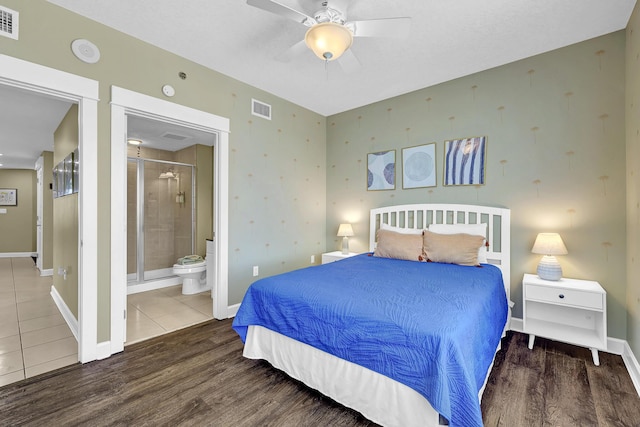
x=174, y=136
x=260, y=109
x=8, y=23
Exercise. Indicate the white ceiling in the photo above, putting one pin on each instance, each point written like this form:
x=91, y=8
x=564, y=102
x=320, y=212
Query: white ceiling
x=448, y=39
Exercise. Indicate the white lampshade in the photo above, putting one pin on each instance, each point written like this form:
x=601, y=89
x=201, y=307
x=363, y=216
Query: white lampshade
x=549, y=245
x=328, y=40
x=345, y=230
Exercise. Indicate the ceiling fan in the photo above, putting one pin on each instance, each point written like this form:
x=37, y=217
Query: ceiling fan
x=330, y=35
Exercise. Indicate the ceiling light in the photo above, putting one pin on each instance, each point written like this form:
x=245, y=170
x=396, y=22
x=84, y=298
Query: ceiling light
x=328, y=40
x=134, y=141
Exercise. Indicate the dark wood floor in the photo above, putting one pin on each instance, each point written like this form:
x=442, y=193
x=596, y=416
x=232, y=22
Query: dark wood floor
x=198, y=377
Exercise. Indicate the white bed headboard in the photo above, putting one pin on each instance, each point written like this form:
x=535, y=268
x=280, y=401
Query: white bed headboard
x=420, y=216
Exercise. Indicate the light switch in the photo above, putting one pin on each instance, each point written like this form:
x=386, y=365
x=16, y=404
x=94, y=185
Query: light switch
x=3, y=211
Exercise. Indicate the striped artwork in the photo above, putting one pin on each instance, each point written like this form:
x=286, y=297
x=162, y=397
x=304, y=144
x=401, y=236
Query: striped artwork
x=464, y=161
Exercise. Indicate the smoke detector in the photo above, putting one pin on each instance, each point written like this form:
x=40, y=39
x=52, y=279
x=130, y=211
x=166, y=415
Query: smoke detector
x=85, y=51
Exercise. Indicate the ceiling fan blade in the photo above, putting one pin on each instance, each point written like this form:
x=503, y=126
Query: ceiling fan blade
x=388, y=27
x=283, y=10
x=341, y=5
x=349, y=62
x=294, y=51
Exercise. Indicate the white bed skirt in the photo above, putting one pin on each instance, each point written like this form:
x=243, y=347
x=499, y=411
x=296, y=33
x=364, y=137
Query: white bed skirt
x=377, y=397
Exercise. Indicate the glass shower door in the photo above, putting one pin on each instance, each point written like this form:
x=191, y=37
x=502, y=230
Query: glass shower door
x=160, y=217
x=168, y=217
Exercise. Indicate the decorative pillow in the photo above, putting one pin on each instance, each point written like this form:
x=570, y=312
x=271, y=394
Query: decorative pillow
x=397, y=245
x=475, y=229
x=400, y=230
x=458, y=248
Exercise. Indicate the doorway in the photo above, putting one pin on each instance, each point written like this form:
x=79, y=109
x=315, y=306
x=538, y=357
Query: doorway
x=124, y=105
x=84, y=92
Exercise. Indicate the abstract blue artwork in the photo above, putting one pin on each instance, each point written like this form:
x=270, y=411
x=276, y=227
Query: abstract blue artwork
x=419, y=166
x=381, y=170
x=464, y=161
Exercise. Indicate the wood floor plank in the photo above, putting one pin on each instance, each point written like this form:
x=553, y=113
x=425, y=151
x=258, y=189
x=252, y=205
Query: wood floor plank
x=612, y=388
x=198, y=376
x=568, y=399
x=514, y=394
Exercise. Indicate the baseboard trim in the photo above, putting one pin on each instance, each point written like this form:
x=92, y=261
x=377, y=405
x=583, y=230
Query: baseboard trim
x=66, y=313
x=516, y=324
x=632, y=365
x=17, y=254
x=232, y=310
x=47, y=272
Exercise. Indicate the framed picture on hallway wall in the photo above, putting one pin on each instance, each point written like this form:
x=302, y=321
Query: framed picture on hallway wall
x=419, y=166
x=465, y=160
x=8, y=197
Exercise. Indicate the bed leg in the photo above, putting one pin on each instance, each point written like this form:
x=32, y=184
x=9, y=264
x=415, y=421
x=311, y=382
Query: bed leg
x=442, y=421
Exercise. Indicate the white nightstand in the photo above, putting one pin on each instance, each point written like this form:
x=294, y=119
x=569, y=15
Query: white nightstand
x=568, y=310
x=336, y=256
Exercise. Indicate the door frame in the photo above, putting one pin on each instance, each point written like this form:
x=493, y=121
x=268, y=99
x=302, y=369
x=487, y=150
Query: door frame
x=123, y=103
x=84, y=92
x=39, y=211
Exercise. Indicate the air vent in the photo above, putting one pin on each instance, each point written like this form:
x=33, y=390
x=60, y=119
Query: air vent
x=260, y=109
x=8, y=23
x=174, y=136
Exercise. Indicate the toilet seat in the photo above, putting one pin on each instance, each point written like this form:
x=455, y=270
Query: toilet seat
x=198, y=266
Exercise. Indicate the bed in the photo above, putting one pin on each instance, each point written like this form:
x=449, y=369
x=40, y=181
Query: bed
x=404, y=342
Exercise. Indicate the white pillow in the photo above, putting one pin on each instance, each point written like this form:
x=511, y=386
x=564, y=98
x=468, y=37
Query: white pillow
x=400, y=230
x=473, y=229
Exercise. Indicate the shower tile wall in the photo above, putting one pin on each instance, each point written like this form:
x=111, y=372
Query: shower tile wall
x=165, y=239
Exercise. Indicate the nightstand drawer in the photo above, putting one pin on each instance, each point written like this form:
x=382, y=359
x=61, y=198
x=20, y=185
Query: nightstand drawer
x=564, y=296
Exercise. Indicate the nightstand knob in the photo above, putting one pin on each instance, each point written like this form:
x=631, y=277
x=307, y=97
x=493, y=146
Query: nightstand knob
x=561, y=296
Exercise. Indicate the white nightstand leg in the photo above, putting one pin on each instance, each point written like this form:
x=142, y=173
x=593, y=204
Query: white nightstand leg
x=531, y=339
x=596, y=358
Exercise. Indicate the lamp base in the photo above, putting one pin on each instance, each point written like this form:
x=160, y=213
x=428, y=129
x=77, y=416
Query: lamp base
x=549, y=268
x=345, y=245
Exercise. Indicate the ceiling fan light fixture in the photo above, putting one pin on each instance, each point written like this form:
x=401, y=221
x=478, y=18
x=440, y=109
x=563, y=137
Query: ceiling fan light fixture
x=328, y=40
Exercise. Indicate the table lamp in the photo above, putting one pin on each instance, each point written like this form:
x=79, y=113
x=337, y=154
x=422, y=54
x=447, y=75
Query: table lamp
x=549, y=245
x=345, y=231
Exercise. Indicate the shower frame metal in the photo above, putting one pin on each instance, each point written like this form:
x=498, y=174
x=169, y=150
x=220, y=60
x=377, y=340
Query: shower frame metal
x=140, y=234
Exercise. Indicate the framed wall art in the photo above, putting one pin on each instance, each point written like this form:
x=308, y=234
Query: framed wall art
x=419, y=166
x=465, y=160
x=381, y=170
x=8, y=197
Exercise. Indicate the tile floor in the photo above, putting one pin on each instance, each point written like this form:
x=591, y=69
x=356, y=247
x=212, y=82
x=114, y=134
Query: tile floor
x=34, y=337
x=154, y=313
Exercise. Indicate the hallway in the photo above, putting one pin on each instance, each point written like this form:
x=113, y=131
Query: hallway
x=34, y=337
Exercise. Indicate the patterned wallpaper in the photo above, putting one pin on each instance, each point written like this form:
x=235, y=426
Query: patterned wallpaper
x=555, y=155
x=633, y=180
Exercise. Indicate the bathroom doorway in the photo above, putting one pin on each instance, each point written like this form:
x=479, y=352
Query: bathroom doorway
x=161, y=216
x=125, y=106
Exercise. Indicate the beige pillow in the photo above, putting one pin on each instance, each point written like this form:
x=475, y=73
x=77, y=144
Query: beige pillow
x=398, y=245
x=458, y=248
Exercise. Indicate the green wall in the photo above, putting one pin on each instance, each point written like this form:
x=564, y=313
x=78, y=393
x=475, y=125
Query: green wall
x=65, y=217
x=47, y=211
x=556, y=157
x=633, y=181
x=277, y=187
x=18, y=225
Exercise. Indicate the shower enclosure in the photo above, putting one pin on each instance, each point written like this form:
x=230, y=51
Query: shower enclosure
x=160, y=219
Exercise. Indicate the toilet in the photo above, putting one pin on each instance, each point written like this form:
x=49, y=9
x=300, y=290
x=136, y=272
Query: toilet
x=194, y=277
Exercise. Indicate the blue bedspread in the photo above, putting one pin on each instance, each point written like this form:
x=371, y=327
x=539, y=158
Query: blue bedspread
x=433, y=327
